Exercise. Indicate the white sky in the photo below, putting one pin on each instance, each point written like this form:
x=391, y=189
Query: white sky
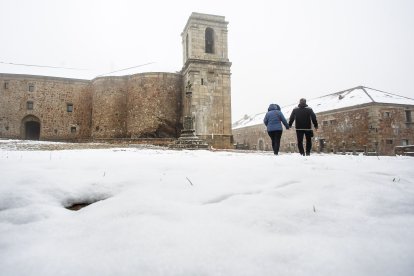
x=203, y=213
x=280, y=50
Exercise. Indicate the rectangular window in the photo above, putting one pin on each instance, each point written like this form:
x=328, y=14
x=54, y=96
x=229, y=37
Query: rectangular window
x=389, y=141
x=332, y=122
x=6, y=85
x=408, y=117
x=404, y=142
x=72, y=129
x=324, y=123
x=29, y=105
x=31, y=87
x=69, y=107
x=387, y=114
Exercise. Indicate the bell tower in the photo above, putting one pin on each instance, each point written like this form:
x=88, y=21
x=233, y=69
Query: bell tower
x=206, y=72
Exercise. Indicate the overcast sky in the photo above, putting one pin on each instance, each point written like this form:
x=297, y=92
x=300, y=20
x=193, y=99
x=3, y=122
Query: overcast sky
x=280, y=50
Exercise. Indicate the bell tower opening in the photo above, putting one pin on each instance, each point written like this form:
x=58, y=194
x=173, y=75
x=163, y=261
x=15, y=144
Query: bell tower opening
x=30, y=128
x=209, y=40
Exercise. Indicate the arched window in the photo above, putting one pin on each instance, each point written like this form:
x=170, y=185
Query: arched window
x=209, y=38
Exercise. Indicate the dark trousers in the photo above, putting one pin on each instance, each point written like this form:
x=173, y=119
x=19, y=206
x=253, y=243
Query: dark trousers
x=275, y=136
x=308, y=136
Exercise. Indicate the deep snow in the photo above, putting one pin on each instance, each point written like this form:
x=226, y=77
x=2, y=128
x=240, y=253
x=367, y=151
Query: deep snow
x=170, y=212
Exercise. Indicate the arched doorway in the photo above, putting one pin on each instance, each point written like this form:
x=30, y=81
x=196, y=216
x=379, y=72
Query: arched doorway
x=30, y=128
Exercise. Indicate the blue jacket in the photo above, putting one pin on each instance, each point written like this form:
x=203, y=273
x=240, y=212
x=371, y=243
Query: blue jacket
x=274, y=118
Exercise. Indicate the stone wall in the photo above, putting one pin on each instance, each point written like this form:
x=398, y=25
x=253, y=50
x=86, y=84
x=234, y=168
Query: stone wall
x=137, y=106
x=50, y=97
x=367, y=128
x=109, y=107
x=154, y=105
x=253, y=137
x=393, y=129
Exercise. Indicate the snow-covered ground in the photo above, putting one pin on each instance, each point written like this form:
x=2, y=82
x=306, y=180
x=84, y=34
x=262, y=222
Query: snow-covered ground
x=165, y=212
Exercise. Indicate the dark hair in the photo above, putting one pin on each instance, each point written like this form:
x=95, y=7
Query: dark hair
x=302, y=101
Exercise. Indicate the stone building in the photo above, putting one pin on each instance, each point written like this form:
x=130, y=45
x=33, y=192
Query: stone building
x=359, y=119
x=135, y=106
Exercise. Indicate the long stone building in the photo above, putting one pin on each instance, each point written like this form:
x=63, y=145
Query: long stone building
x=359, y=119
x=134, y=106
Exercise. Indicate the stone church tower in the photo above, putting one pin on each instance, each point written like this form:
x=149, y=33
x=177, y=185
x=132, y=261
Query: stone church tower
x=206, y=75
x=148, y=105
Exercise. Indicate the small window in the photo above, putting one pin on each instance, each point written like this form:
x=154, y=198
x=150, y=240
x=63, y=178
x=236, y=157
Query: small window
x=404, y=142
x=29, y=105
x=202, y=81
x=408, y=117
x=73, y=129
x=332, y=122
x=6, y=85
x=31, y=88
x=389, y=141
x=387, y=114
x=69, y=107
x=324, y=123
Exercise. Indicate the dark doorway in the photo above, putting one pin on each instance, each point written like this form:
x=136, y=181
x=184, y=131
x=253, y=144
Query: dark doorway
x=321, y=145
x=261, y=145
x=32, y=130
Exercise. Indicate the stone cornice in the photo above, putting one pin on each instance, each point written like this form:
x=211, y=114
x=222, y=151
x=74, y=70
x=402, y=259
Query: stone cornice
x=204, y=61
x=37, y=77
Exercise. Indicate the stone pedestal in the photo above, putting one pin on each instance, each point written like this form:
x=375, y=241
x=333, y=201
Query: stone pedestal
x=188, y=139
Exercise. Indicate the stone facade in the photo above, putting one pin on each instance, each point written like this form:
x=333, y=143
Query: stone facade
x=147, y=105
x=50, y=99
x=139, y=106
x=369, y=128
x=207, y=70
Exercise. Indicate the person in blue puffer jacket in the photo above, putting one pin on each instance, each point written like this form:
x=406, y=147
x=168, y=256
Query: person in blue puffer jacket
x=273, y=121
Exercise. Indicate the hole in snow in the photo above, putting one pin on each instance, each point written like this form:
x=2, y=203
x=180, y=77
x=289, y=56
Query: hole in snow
x=76, y=206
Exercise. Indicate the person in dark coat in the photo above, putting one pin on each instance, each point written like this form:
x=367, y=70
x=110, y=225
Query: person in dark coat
x=303, y=115
x=273, y=121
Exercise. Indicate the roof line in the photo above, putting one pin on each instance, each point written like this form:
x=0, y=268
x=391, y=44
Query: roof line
x=346, y=90
x=334, y=93
x=372, y=99
x=389, y=93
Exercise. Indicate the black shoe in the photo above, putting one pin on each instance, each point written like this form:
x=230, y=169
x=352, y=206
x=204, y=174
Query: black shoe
x=308, y=153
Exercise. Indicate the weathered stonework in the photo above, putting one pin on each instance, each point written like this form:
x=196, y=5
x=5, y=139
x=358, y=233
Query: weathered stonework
x=147, y=105
x=209, y=76
x=373, y=127
x=109, y=107
x=50, y=99
x=158, y=96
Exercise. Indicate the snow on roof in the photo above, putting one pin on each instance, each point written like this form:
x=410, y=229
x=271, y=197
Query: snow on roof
x=352, y=97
